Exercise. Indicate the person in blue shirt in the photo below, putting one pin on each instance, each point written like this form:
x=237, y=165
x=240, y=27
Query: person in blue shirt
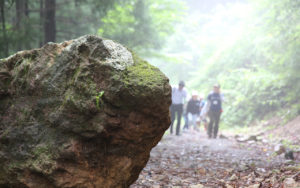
x=214, y=100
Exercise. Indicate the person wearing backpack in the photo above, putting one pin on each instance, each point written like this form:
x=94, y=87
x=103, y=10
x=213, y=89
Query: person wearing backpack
x=214, y=101
x=179, y=95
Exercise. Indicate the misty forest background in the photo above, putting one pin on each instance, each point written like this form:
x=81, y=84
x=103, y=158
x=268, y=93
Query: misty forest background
x=250, y=47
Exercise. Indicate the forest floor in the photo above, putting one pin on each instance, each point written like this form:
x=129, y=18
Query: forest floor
x=193, y=160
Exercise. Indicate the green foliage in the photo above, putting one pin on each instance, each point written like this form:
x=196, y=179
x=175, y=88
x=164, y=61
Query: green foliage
x=288, y=144
x=141, y=24
x=258, y=72
x=99, y=99
x=73, y=19
x=250, y=48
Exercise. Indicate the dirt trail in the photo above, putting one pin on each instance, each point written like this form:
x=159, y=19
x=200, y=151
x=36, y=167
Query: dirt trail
x=192, y=160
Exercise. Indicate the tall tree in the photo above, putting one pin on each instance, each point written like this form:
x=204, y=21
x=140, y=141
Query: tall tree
x=5, y=45
x=41, y=42
x=21, y=13
x=50, y=23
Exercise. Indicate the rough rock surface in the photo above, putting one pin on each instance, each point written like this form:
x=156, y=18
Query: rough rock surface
x=82, y=113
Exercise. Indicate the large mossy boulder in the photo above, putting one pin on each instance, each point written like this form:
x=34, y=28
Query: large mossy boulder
x=82, y=113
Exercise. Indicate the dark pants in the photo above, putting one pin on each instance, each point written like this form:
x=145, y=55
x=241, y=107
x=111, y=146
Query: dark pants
x=176, y=108
x=214, y=118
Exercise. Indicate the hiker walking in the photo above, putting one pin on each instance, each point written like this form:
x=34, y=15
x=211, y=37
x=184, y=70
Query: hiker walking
x=193, y=110
x=203, y=113
x=214, y=101
x=178, y=98
x=185, y=118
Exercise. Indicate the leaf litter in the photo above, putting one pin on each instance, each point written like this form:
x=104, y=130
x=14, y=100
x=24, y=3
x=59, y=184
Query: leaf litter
x=193, y=161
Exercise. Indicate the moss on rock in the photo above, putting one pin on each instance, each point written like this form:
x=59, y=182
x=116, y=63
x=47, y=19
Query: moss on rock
x=71, y=112
x=143, y=74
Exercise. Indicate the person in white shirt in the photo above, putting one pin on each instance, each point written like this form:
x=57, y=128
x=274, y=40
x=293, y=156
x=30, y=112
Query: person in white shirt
x=179, y=95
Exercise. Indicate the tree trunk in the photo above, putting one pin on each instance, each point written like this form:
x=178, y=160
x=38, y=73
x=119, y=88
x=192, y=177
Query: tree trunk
x=49, y=24
x=41, y=22
x=26, y=10
x=21, y=27
x=5, y=42
x=27, y=27
x=19, y=12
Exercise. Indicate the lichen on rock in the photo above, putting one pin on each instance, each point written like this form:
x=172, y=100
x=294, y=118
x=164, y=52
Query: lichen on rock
x=82, y=113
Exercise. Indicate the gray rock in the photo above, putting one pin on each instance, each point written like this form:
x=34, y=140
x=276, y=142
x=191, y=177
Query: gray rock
x=82, y=113
x=279, y=149
x=233, y=178
x=290, y=182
